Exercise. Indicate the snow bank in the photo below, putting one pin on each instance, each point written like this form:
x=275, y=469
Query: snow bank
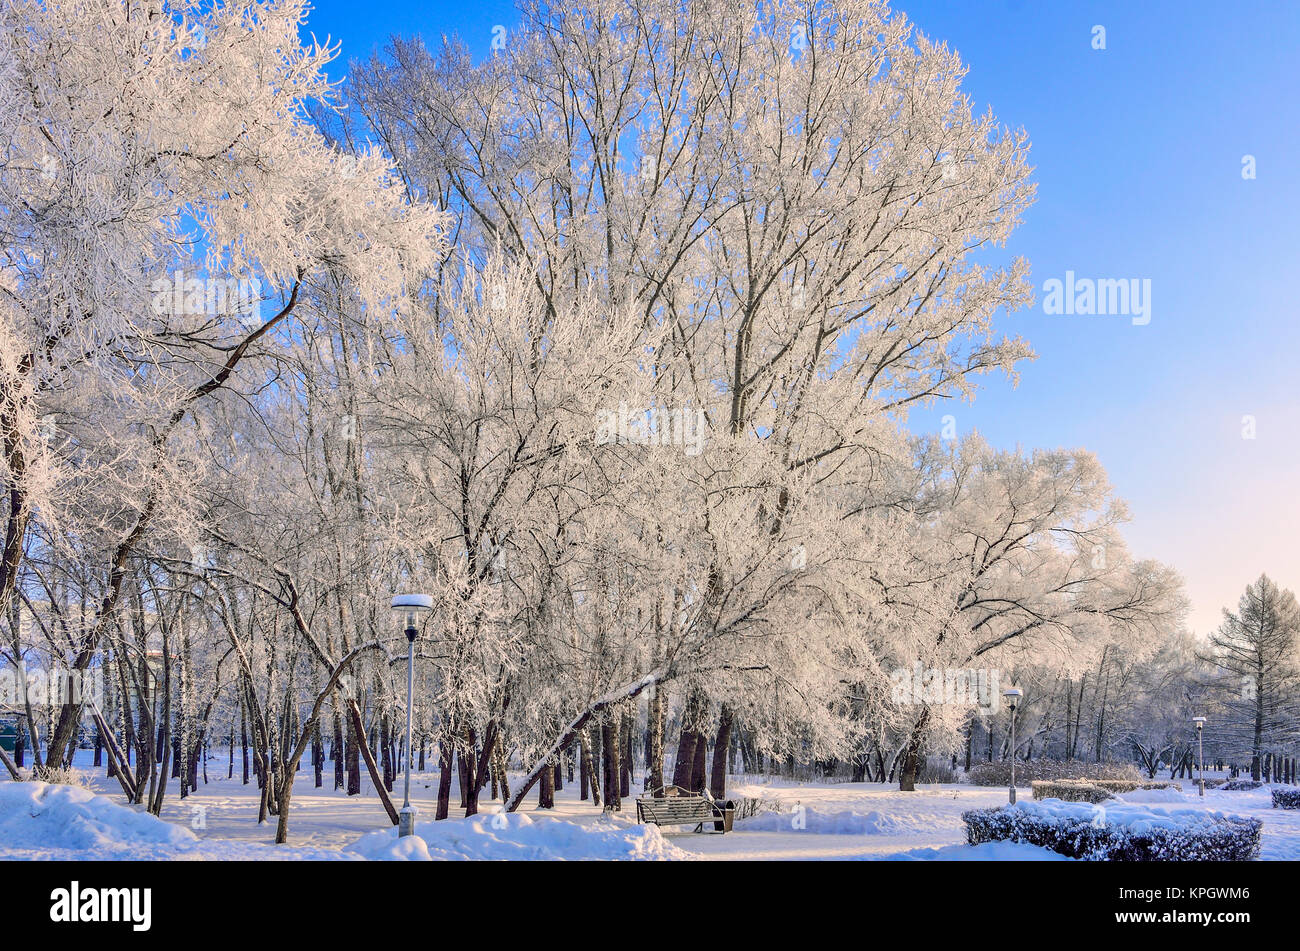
x=825, y=822
x=496, y=836
x=386, y=847
x=47, y=821
x=984, y=852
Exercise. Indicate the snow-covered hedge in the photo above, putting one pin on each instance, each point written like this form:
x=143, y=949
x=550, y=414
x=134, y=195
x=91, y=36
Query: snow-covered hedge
x=1128, y=785
x=1240, y=785
x=1071, y=790
x=1092, y=790
x=1120, y=832
x=999, y=774
x=1286, y=798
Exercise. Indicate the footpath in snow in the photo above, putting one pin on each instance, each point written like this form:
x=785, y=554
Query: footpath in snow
x=793, y=821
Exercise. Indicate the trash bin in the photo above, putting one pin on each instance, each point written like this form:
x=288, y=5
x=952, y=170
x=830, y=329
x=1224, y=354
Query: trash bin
x=728, y=816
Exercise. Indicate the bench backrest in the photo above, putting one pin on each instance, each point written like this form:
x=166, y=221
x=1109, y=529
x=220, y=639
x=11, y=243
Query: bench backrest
x=677, y=809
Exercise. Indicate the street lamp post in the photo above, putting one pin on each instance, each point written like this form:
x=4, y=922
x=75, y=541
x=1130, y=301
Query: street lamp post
x=1013, y=695
x=411, y=606
x=1200, y=750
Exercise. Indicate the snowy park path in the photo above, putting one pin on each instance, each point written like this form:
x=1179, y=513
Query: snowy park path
x=798, y=821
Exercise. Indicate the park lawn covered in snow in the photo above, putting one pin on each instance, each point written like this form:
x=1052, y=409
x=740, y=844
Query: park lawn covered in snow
x=797, y=821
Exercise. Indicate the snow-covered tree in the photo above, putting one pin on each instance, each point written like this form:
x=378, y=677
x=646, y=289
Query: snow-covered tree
x=1257, y=651
x=163, y=202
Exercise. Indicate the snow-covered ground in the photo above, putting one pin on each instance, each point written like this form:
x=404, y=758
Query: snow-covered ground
x=797, y=821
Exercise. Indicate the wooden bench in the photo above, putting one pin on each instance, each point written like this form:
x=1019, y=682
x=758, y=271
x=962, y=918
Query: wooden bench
x=674, y=806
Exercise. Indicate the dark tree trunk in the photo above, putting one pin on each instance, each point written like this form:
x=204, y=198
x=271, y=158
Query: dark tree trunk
x=243, y=739
x=318, y=755
x=445, y=753
x=721, y=745
x=352, y=755
x=699, y=774
x=386, y=752
x=337, y=750
x=684, y=767
x=611, y=744
x=912, y=755
x=546, y=789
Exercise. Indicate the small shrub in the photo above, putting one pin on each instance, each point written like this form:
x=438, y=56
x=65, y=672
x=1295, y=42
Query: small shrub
x=747, y=806
x=1209, y=839
x=999, y=773
x=1240, y=785
x=62, y=776
x=1070, y=791
x=1286, y=798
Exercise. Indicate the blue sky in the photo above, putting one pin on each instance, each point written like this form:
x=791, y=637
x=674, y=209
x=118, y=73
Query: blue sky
x=1138, y=150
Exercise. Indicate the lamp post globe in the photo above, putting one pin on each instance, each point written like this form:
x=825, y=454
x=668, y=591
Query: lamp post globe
x=412, y=607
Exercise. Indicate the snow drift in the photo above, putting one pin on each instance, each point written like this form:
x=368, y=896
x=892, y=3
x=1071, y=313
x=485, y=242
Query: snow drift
x=499, y=835
x=984, y=852
x=826, y=822
x=41, y=820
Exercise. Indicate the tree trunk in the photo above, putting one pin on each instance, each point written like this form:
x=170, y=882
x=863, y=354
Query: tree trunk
x=386, y=752
x=699, y=771
x=718, y=780
x=655, y=741
x=1257, y=745
x=546, y=789
x=684, y=767
x=499, y=767
x=318, y=755
x=625, y=757
x=243, y=737
x=609, y=731
x=445, y=754
x=912, y=755
x=338, y=750
x=587, y=778
x=352, y=755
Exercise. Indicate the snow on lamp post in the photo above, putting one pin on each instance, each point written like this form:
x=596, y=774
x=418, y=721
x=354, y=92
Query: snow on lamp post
x=1013, y=695
x=1200, y=750
x=411, y=606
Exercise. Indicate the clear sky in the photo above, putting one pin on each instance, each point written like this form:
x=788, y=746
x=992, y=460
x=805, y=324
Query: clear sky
x=1138, y=150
